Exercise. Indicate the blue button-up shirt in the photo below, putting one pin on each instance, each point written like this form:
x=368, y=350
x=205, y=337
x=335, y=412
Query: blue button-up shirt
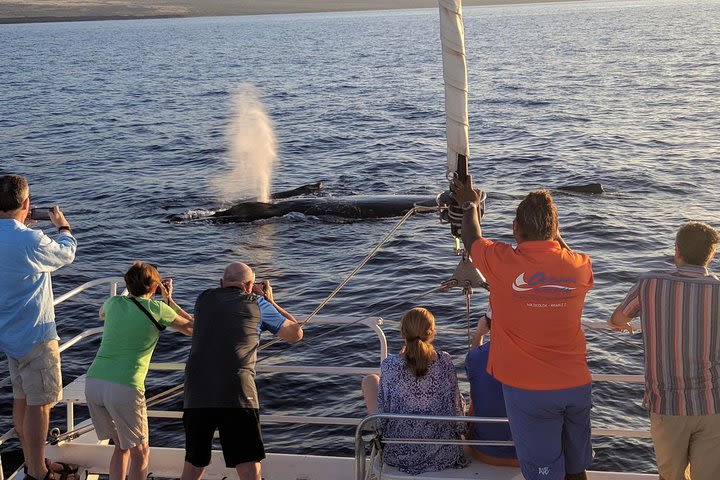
x=27, y=257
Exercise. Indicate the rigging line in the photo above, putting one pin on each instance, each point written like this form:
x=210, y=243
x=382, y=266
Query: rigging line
x=178, y=389
x=467, y=314
x=173, y=392
x=345, y=325
x=442, y=287
x=157, y=398
x=350, y=275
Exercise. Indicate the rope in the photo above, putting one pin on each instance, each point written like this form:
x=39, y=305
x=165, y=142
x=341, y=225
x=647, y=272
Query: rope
x=178, y=389
x=351, y=274
x=345, y=325
x=468, y=292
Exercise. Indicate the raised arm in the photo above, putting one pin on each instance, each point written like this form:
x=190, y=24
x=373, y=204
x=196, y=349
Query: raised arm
x=290, y=330
x=167, y=289
x=481, y=330
x=626, y=311
x=183, y=325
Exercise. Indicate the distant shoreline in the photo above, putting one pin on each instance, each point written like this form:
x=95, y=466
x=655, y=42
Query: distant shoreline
x=16, y=11
x=86, y=18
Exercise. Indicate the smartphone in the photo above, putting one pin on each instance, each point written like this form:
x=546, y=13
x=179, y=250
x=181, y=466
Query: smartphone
x=40, y=213
x=166, y=284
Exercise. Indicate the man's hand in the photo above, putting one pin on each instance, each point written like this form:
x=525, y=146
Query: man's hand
x=620, y=322
x=264, y=289
x=58, y=218
x=463, y=191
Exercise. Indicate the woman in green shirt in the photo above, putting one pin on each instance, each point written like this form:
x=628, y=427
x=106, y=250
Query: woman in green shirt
x=115, y=387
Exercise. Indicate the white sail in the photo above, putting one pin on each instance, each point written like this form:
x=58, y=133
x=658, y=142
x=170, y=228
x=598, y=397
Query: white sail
x=452, y=34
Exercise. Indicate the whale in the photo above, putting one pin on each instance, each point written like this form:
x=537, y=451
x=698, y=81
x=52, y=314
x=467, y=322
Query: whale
x=305, y=200
x=350, y=207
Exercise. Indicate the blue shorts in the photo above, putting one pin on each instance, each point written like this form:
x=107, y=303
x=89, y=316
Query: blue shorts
x=551, y=430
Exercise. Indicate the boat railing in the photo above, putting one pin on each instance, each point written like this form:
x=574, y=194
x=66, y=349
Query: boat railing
x=76, y=396
x=373, y=323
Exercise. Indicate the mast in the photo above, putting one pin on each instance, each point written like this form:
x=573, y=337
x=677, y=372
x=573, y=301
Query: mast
x=452, y=36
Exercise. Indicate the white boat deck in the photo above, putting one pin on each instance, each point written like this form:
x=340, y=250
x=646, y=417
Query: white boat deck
x=168, y=463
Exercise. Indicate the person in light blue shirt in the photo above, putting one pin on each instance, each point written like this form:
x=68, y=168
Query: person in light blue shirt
x=27, y=316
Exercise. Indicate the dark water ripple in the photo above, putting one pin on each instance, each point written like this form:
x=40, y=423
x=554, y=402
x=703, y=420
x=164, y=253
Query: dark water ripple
x=123, y=123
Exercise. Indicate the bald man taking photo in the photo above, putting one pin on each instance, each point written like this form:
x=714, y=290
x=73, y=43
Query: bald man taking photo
x=220, y=390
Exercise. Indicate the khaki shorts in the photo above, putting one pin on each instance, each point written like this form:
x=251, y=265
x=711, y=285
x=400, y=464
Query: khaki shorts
x=687, y=446
x=118, y=412
x=36, y=377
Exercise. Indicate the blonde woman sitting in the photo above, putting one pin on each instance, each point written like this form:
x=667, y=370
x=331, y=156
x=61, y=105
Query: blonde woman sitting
x=420, y=381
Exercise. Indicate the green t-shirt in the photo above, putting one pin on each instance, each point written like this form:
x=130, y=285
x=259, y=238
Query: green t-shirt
x=128, y=340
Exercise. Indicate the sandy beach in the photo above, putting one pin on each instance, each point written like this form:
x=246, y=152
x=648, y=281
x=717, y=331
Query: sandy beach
x=15, y=11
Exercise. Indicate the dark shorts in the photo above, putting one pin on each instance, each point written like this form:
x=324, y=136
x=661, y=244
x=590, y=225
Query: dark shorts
x=551, y=430
x=240, y=435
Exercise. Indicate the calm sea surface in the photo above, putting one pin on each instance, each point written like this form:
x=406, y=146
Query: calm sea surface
x=123, y=123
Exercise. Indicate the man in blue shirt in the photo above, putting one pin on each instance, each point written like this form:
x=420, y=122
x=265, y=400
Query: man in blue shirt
x=486, y=395
x=27, y=316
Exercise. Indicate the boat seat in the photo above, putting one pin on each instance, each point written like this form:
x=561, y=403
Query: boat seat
x=477, y=470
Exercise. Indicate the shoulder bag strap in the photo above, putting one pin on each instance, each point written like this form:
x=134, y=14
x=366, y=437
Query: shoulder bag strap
x=149, y=315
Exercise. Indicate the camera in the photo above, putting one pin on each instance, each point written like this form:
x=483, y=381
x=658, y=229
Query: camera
x=40, y=213
x=166, y=283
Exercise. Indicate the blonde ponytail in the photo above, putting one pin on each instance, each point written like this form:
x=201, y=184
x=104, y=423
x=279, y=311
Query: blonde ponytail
x=418, y=329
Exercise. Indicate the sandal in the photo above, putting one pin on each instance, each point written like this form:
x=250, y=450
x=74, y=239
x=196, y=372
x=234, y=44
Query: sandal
x=68, y=472
x=65, y=472
x=50, y=475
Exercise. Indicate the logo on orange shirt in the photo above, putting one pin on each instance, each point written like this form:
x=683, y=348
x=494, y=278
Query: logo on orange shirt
x=539, y=282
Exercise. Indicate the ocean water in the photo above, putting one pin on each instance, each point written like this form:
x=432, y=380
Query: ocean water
x=123, y=123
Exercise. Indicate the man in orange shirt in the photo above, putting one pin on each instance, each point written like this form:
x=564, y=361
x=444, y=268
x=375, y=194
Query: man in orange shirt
x=537, y=292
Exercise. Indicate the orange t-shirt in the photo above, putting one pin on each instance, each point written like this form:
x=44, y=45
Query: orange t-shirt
x=537, y=291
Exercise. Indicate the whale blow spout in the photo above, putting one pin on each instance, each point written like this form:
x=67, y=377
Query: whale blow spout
x=252, y=150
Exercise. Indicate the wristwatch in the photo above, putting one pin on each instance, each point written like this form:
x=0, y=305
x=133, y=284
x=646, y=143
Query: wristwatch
x=469, y=205
x=65, y=227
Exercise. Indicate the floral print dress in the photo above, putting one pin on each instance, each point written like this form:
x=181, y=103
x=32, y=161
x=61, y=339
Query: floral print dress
x=436, y=393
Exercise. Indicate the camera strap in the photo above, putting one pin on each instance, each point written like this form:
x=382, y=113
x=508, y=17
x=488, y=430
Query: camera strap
x=149, y=315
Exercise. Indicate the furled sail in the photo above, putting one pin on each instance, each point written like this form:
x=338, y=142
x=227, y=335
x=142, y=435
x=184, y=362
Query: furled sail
x=452, y=34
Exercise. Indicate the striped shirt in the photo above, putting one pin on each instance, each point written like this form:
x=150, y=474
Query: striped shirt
x=680, y=316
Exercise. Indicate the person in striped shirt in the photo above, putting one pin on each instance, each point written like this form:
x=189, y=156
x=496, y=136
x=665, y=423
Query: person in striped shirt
x=680, y=317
